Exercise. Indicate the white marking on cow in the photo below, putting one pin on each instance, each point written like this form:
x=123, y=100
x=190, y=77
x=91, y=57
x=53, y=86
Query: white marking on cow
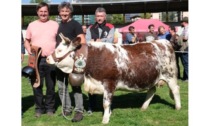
x=106, y=105
x=121, y=85
x=93, y=86
x=122, y=59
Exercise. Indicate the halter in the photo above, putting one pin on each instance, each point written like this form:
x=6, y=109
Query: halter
x=61, y=58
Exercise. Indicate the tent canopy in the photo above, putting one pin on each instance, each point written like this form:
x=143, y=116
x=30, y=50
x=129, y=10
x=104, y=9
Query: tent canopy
x=141, y=25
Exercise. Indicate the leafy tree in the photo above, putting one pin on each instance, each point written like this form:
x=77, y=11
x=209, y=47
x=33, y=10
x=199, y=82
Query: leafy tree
x=147, y=16
x=117, y=19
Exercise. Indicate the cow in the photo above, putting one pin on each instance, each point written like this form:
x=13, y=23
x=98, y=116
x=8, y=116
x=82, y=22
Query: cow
x=109, y=67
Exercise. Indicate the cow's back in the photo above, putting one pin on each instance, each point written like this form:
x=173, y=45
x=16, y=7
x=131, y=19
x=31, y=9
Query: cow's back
x=137, y=66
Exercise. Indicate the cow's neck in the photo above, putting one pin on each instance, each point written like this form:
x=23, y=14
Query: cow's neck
x=80, y=59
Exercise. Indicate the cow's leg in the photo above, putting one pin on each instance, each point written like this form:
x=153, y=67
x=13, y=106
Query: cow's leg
x=150, y=95
x=107, y=106
x=174, y=89
x=109, y=87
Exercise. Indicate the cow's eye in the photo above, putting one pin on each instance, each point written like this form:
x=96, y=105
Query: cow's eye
x=65, y=44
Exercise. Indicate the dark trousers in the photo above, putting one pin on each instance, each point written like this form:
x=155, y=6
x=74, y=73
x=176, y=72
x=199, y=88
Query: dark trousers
x=47, y=74
x=77, y=91
x=178, y=56
x=92, y=102
x=184, y=59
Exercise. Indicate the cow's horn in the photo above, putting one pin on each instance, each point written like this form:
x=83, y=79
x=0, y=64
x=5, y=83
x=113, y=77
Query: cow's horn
x=64, y=38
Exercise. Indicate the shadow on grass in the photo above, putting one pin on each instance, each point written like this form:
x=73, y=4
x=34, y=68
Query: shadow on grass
x=130, y=100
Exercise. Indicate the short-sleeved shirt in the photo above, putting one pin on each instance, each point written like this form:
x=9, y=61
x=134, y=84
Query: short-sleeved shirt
x=185, y=32
x=43, y=34
x=148, y=37
x=129, y=37
x=70, y=29
x=167, y=36
x=185, y=35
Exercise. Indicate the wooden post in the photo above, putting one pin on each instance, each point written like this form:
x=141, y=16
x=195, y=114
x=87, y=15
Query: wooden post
x=166, y=16
x=179, y=15
x=124, y=18
x=82, y=19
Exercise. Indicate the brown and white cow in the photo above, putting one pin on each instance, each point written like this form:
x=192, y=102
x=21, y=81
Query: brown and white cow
x=135, y=67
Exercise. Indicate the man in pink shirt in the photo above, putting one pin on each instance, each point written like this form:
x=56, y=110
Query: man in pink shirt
x=42, y=33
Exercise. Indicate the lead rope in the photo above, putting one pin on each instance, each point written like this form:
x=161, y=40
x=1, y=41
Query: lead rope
x=63, y=103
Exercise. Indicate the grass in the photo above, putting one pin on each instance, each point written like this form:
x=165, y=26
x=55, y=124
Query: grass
x=125, y=109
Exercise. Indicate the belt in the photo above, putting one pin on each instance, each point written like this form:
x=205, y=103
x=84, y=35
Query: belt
x=44, y=57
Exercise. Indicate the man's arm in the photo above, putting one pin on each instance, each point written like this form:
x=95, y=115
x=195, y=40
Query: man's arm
x=129, y=37
x=82, y=36
x=27, y=46
x=134, y=38
x=110, y=37
x=88, y=36
x=22, y=48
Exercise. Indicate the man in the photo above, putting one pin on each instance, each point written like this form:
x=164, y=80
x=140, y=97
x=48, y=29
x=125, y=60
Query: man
x=151, y=35
x=176, y=45
x=84, y=28
x=184, y=48
x=42, y=33
x=101, y=31
x=22, y=48
x=131, y=37
x=70, y=29
x=163, y=34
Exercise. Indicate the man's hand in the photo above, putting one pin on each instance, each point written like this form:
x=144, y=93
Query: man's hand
x=98, y=40
x=29, y=50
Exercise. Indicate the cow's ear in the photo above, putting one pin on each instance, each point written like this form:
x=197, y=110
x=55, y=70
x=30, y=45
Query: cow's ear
x=76, y=41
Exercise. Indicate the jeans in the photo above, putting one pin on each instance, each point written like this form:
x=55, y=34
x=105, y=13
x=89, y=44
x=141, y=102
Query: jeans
x=184, y=59
x=46, y=72
x=65, y=97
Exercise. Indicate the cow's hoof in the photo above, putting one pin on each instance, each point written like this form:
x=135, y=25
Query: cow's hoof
x=178, y=108
x=105, y=120
x=143, y=109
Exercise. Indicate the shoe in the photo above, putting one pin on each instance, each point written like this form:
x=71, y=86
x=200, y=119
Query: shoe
x=89, y=112
x=38, y=114
x=50, y=113
x=186, y=80
x=66, y=113
x=77, y=117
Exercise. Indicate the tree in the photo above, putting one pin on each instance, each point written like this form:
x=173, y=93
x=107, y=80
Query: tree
x=117, y=19
x=147, y=16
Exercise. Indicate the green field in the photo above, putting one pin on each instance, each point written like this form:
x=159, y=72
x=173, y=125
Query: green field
x=125, y=109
